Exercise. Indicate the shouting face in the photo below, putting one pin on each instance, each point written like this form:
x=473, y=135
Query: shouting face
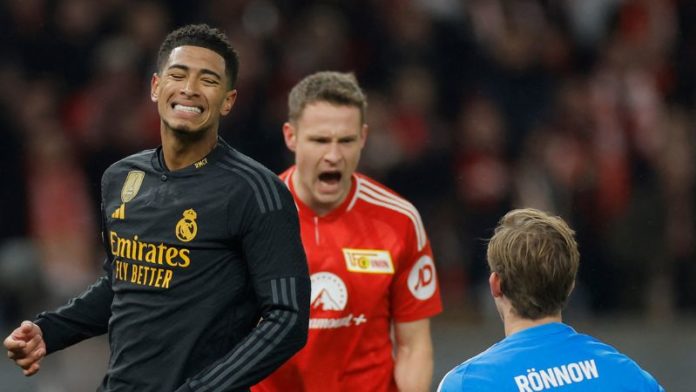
x=327, y=140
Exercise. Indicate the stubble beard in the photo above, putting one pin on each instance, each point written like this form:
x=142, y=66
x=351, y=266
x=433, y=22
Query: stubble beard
x=185, y=134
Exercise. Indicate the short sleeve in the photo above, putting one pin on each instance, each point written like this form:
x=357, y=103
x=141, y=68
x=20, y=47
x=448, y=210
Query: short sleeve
x=415, y=292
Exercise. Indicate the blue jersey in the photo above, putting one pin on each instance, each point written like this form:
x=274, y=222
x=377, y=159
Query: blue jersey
x=545, y=358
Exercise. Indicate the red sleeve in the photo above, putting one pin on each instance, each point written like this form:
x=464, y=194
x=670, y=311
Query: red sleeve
x=415, y=292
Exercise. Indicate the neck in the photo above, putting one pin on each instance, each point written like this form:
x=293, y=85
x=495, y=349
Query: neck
x=181, y=150
x=521, y=324
x=514, y=323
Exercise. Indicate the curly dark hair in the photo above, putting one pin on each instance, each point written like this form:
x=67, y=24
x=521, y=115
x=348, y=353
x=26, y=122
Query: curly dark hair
x=203, y=36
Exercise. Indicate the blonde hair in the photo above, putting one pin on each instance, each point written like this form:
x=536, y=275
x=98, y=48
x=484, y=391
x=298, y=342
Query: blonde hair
x=537, y=258
x=327, y=86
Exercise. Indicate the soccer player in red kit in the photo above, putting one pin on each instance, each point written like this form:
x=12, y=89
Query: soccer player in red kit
x=370, y=260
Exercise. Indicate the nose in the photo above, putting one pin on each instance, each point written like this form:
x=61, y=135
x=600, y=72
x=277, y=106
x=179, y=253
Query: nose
x=189, y=88
x=333, y=154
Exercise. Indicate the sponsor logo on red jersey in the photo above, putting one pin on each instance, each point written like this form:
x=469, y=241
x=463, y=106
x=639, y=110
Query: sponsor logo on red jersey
x=371, y=261
x=421, y=279
x=328, y=292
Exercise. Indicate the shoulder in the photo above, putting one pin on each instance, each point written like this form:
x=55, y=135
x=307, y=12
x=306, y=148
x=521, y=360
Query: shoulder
x=377, y=199
x=254, y=179
x=244, y=166
x=377, y=196
x=452, y=380
x=497, y=356
x=615, y=360
x=592, y=357
x=597, y=347
x=617, y=367
x=466, y=377
x=138, y=161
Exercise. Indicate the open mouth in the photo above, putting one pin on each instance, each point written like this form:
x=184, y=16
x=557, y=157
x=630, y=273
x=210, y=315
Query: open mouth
x=330, y=177
x=187, y=109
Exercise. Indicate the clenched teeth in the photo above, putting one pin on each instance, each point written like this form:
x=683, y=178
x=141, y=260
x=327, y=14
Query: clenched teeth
x=184, y=108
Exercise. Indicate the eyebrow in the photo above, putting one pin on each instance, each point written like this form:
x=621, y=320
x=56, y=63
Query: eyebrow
x=204, y=71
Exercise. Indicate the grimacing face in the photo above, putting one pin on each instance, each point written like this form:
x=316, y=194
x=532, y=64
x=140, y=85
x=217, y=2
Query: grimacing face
x=191, y=90
x=327, y=140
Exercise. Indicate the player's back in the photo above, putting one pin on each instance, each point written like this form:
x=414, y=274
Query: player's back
x=548, y=357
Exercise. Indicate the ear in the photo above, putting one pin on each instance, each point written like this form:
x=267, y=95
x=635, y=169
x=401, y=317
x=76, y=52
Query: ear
x=154, y=85
x=363, y=135
x=290, y=136
x=494, y=284
x=228, y=103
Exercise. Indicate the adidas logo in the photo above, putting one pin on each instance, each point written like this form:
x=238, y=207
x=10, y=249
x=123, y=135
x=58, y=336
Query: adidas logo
x=120, y=212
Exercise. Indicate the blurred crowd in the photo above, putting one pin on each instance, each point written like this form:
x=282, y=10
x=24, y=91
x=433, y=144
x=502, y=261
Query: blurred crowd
x=581, y=108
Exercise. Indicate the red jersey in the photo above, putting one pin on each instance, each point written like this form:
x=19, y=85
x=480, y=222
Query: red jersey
x=371, y=264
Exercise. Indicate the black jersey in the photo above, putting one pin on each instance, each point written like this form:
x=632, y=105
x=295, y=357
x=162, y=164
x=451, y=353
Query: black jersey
x=206, y=285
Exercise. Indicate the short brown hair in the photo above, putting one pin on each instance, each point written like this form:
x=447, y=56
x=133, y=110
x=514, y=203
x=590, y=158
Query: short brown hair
x=327, y=86
x=537, y=258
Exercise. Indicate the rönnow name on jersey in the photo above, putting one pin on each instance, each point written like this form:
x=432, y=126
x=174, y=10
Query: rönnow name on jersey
x=557, y=376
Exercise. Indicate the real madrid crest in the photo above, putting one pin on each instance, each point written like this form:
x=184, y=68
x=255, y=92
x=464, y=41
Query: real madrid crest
x=132, y=185
x=187, y=227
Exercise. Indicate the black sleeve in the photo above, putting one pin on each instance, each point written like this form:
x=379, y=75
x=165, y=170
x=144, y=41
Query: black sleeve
x=279, y=273
x=82, y=317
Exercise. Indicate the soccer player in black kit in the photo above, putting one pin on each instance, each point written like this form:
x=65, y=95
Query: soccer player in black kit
x=206, y=285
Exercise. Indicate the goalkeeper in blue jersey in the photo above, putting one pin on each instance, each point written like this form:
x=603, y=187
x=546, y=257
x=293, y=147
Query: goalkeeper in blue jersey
x=533, y=259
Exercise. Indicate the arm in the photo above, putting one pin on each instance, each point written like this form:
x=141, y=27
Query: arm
x=83, y=317
x=415, y=298
x=281, y=332
x=280, y=279
x=413, y=370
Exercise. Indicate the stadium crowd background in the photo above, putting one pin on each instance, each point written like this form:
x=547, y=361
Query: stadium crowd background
x=581, y=108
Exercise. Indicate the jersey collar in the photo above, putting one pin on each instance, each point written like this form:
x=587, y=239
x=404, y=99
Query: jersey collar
x=193, y=169
x=541, y=331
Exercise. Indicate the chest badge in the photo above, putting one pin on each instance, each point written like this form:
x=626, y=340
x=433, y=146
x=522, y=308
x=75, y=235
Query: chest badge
x=132, y=185
x=187, y=228
x=130, y=189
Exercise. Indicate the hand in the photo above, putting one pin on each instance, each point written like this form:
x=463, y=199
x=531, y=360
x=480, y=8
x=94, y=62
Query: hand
x=25, y=346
